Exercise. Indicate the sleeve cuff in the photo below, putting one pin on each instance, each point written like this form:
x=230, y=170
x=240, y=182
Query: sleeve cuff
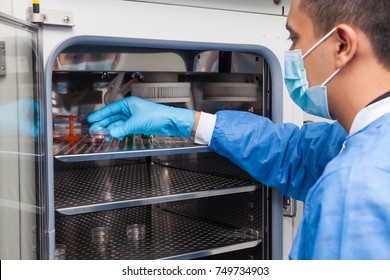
x=205, y=129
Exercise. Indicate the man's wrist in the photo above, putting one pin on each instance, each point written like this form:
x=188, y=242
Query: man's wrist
x=196, y=121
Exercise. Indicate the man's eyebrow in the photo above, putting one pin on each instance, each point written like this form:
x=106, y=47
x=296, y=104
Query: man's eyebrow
x=289, y=28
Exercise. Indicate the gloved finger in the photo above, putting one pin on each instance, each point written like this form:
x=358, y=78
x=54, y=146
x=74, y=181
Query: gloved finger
x=113, y=125
x=105, y=112
x=108, y=139
x=95, y=127
x=107, y=121
x=131, y=126
x=96, y=124
x=119, y=131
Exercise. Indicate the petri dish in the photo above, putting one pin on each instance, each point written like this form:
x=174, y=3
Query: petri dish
x=136, y=232
x=60, y=252
x=99, y=132
x=101, y=235
x=89, y=140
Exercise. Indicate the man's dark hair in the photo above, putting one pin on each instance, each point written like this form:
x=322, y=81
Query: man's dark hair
x=371, y=16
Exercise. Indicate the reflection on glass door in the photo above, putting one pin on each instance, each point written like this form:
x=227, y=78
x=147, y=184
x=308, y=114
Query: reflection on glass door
x=20, y=142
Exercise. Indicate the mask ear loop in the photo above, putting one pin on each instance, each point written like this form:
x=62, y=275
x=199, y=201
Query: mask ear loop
x=331, y=77
x=320, y=41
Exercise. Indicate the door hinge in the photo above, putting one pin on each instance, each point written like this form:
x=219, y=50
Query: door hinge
x=50, y=17
x=3, y=69
x=289, y=207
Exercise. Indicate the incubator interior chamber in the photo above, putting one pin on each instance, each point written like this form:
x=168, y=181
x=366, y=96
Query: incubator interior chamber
x=193, y=203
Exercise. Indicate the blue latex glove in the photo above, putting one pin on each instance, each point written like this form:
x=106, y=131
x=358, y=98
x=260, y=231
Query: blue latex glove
x=134, y=115
x=17, y=118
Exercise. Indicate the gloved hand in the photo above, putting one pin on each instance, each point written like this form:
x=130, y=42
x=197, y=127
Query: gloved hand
x=133, y=115
x=17, y=118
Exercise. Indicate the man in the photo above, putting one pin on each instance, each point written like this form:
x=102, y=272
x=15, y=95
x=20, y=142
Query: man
x=340, y=170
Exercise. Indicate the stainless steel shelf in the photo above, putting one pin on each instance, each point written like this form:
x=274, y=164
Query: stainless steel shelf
x=105, y=188
x=168, y=236
x=84, y=150
x=213, y=164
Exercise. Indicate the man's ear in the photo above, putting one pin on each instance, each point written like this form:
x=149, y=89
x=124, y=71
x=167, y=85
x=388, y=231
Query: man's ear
x=347, y=42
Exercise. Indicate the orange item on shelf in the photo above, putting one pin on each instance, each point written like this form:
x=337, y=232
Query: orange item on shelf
x=71, y=136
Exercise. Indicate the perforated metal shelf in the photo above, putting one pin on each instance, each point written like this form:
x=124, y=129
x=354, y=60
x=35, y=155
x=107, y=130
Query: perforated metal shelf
x=106, y=188
x=168, y=236
x=84, y=150
x=214, y=164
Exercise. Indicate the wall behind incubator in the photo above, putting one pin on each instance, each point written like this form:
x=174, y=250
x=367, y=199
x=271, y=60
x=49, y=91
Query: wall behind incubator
x=6, y=6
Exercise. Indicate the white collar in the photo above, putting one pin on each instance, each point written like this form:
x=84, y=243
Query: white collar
x=369, y=114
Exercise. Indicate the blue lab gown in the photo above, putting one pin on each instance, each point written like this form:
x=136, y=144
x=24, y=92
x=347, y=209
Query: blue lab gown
x=346, y=194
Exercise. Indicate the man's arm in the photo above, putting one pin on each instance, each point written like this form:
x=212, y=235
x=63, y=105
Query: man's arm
x=278, y=155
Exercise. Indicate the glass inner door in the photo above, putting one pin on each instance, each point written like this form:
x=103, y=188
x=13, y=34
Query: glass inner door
x=20, y=142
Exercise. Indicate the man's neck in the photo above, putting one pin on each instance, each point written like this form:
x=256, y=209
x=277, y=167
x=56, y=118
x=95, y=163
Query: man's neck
x=354, y=94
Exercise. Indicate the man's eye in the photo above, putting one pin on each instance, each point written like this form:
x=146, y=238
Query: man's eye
x=291, y=38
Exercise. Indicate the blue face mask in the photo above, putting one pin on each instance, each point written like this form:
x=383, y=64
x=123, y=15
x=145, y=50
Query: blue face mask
x=100, y=65
x=312, y=100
